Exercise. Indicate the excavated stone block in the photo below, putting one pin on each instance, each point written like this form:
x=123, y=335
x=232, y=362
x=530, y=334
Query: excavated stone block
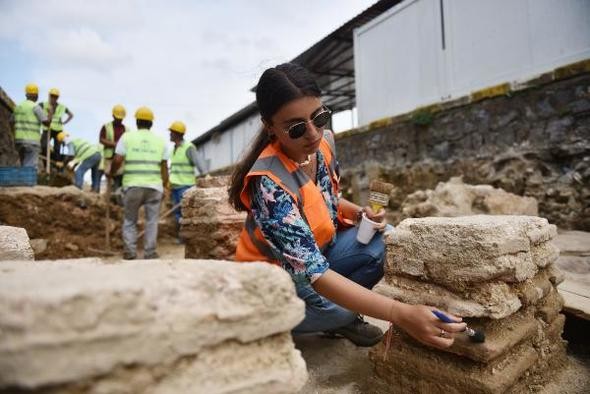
x=470, y=249
x=210, y=226
x=14, y=244
x=495, y=300
x=534, y=289
x=413, y=368
x=550, y=306
x=501, y=336
x=69, y=321
x=268, y=365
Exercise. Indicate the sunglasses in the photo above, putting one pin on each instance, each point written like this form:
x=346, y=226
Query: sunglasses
x=320, y=120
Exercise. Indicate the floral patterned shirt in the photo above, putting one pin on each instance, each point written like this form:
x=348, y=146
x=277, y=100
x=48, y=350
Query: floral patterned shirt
x=278, y=217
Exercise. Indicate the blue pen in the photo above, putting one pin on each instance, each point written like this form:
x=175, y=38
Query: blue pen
x=476, y=336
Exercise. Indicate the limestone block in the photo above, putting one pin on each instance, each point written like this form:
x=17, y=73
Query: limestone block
x=14, y=244
x=411, y=367
x=210, y=226
x=495, y=300
x=501, y=336
x=268, y=365
x=534, y=289
x=550, y=306
x=470, y=249
x=69, y=321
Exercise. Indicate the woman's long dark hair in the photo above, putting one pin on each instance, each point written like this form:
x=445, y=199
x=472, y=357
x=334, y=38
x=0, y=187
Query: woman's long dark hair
x=277, y=86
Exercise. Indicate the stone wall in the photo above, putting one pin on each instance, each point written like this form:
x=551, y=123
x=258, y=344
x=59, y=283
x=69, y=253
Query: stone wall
x=532, y=139
x=8, y=155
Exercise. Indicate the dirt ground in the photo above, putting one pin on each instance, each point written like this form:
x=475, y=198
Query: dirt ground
x=72, y=222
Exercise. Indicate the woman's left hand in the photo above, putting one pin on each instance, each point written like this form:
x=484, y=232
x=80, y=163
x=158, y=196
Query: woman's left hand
x=378, y=217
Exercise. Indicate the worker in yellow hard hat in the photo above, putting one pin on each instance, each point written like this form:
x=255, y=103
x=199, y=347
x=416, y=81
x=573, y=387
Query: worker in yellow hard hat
x=109, y=135
x=26, y=121
x=57, y=110
x=145, y=156
x=185, y=160
x=82, y=156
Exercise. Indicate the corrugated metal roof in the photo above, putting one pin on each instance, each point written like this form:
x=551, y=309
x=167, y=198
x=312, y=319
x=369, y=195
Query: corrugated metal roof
x=331, y=61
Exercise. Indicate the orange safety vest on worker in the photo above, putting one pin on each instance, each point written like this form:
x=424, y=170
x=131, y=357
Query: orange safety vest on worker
x=272, y=162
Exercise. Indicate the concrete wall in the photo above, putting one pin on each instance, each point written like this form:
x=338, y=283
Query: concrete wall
x=8, y=155
x=532, y=139
x=424, y=51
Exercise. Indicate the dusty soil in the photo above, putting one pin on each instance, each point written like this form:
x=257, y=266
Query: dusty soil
x=72, y=221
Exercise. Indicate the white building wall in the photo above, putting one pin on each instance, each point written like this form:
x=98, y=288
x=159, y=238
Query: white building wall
x=225, y=148
x=402, y=61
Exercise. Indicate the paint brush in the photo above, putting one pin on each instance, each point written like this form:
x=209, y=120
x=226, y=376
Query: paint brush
x=476, y=336
x=379, y=195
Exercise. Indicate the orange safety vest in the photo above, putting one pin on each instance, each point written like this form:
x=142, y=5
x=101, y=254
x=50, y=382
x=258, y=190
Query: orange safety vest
x=272, y=162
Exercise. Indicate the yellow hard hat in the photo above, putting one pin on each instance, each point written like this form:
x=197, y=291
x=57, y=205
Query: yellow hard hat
x=119, y=111
x=31, y=88
x=54, y=92
x=177, y=127
x=144, y=113
x=62, y=136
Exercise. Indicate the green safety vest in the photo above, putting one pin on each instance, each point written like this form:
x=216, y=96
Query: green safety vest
x=100, y=149
x=60, y=110
x=26, y=124
x=143, y=158
x=110, y=135
x=182, y=171
x=83, y=149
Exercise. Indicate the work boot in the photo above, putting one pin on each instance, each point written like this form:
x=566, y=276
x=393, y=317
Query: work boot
x=129, y=256
x=359, y=332
x=151, y=256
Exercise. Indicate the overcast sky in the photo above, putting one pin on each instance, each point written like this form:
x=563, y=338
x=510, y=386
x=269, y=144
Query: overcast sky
x=193, y=61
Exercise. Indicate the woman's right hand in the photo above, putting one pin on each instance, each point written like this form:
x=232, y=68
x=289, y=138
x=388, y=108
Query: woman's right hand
x=421, y=324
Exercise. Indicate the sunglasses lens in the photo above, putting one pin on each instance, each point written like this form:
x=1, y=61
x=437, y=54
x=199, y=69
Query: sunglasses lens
x=297, y=130
x=321, y=119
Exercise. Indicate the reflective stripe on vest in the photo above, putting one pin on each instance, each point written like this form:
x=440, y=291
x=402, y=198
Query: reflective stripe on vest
x=272, y=162
x=143, y=158
x=26, y=124
x=83, y=150
x=182, y=171
x=110, y=136
x=60, y=110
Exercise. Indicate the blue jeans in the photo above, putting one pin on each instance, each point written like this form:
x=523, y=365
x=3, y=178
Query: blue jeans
x=92, y=164
x=360, y=263
x=177, y=193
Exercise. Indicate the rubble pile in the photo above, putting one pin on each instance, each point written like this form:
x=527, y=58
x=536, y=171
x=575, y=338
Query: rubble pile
x=498, y=273
x=161, y=326
x=210, y=226
x=455, y=198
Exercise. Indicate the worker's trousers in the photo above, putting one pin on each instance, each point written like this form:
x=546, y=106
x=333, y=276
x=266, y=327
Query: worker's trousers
x=91, y=164
x=360, y=263
x=133, y=199
x=28, y=154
